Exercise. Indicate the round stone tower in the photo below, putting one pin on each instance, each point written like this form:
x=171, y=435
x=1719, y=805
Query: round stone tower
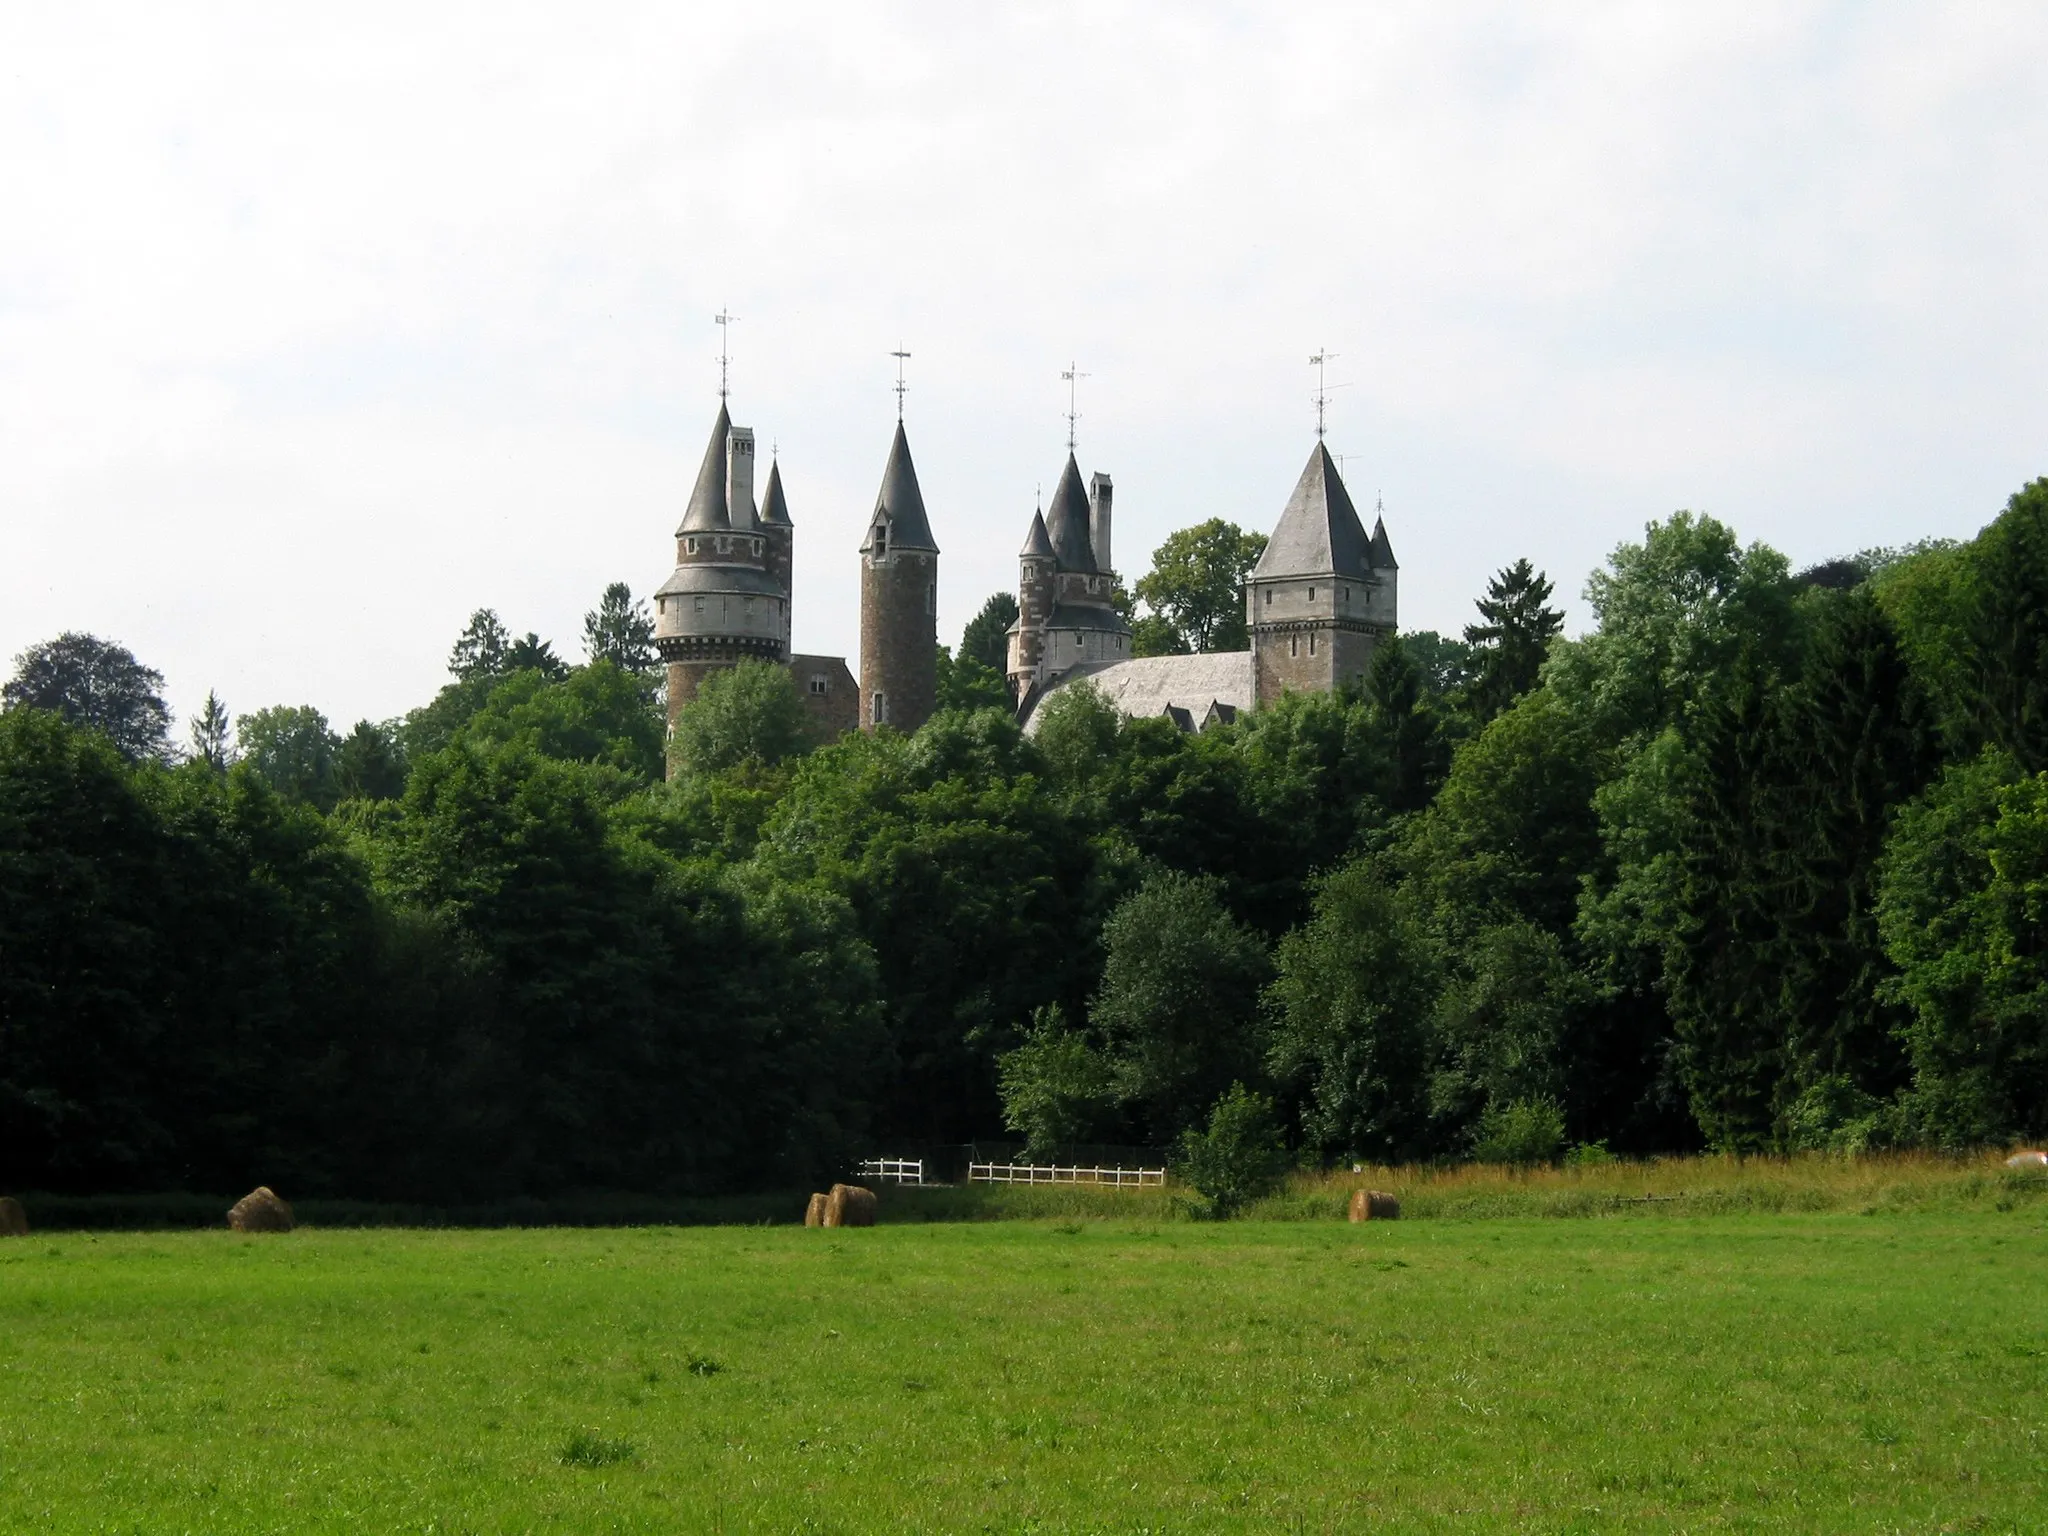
x=899, y=602
x=724, y=602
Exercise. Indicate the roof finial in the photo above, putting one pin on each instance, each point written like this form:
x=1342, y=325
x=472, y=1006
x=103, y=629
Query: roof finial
x=724, y=323
x=900, y=355
x=1073, y=376
x=1322, y=394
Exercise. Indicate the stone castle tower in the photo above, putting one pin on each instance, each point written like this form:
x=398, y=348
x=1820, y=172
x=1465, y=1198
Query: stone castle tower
x=899, y=602
x=1066, y=589
x=726, y=601
x=1323, y=594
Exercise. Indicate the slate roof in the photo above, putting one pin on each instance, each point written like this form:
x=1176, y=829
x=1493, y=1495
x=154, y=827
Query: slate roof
x=1149, y=685
x=1319, y=533
x=1382, y=547
x=1037, y=543
x=902, y=502
x=706, y=512
x=1085, y=616
x=748, y=579
x=774, y=509
x=1066, y=521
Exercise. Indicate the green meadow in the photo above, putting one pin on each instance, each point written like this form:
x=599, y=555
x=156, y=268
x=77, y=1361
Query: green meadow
x=1808, y=1371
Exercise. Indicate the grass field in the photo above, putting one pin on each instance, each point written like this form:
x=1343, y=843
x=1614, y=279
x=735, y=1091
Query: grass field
x=1797, y=1372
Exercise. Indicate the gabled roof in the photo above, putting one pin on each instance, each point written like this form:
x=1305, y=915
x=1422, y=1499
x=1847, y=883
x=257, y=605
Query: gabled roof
x=1319, y=532
x=1037, y=543
x=1066, y=521
x=1144, y=687
x=1382, y=547
x=901, y=502
x=706, y=511
x=774, y=509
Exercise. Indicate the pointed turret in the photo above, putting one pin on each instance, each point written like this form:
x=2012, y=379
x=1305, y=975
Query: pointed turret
x=900, y=503
x=1319, y=532
x=1037, y=543
x=1382, y=552
x=899, y=601
x=1067, y=519
x=706, y=512
x=774, y=508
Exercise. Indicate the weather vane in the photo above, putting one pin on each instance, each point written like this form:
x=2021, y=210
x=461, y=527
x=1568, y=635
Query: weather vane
x=724, y=323
x=1322, y=394
x=900, y=355
x=1073, y=376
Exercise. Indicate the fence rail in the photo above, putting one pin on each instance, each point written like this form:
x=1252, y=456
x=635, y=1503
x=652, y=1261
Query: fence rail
x=893, y=1170
x=1055, y=1173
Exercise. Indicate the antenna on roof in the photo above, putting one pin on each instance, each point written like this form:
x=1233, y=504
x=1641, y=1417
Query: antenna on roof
x=1073, y=376
x=724, y=323
x=1322, y=394
x=900, y=355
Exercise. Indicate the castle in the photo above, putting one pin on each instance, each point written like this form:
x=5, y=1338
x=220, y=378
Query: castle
x=1317, y=603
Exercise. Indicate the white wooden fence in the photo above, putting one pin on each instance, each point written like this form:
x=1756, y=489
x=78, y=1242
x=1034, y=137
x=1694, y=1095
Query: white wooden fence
x=893, y=1170
x=1054, y=1173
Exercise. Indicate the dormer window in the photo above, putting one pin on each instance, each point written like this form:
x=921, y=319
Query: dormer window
x=881, y=543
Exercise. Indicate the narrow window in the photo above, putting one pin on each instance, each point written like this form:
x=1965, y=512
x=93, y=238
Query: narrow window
x=1311, y=645
x=1311, y=594
x=700, y=605
x=1269, y=597
x=930, y=589
x=881, y=709
x=881, y=547
x=1294, y=645
x=692, y=544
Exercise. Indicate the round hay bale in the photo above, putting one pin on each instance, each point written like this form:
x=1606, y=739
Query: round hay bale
x=260, y=1211
x=13, y=1219
x=2028, y=1158
x=814, y=1215
x=1374, y=1205
x=850, y=1206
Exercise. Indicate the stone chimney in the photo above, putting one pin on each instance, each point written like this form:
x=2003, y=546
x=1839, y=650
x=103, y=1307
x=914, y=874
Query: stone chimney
x=1099, y=493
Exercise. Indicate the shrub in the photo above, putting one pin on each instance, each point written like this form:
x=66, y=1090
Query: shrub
x=1239, y=1157
x=1524, y=1132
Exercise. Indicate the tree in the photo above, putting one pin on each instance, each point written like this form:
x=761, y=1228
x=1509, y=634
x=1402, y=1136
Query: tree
x=1960, y=903
x=1238, y=1156
x=966, y=682
x=530, y=653
x=747, y=713
x=620, y=631
x=1509, y=647
x=293, y=751
x=987, y=636
x=480, y=649
x=1351, y=1002
x=596, y=714
x=96, y=684
x=1057, y=1088
x=2008, y=628
x=1196, y=585
x=1446, y=664
x=1178, y=1006
x=369, y=764
x=211, y=742
x=1415, y=755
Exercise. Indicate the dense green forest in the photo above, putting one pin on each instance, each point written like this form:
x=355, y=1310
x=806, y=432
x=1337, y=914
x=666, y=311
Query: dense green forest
x=1759, y=862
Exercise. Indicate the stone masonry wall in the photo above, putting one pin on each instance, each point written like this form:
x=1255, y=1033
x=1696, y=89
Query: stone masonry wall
x=899, y=637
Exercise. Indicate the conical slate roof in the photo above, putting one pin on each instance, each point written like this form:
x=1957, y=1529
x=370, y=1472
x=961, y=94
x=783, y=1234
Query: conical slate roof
x=707, y=511
x=1066, y=521
x=901, y=502
x=1382, y=547
x=774, y=509
x=1319, y=533
x=1037, y=543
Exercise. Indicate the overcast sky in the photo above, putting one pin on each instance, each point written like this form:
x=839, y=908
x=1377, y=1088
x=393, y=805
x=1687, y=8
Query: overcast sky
x=318, y=332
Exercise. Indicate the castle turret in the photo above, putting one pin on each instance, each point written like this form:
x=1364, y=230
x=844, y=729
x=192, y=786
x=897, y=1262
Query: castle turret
x=1323, y=594
x=781, y=535
x=899, y=600
x=1066, y=591
x=721, y=604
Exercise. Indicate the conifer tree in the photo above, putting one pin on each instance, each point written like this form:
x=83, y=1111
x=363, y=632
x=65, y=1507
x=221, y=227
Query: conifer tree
x=211, y=743
x=1510, y=646
x=619, y=630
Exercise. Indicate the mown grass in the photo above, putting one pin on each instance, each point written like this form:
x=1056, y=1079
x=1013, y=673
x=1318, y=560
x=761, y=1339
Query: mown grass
x=1802, y=1372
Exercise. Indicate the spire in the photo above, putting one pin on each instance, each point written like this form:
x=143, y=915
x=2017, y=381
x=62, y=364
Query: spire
x=774, y=509
x=706, y=512
x=1066, y=521
x=1319, y=533
x=1037, y=544
x=1382, y=553
x=901, y=502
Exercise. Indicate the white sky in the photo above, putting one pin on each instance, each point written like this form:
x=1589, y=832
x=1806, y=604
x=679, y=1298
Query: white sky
x=316, y=334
